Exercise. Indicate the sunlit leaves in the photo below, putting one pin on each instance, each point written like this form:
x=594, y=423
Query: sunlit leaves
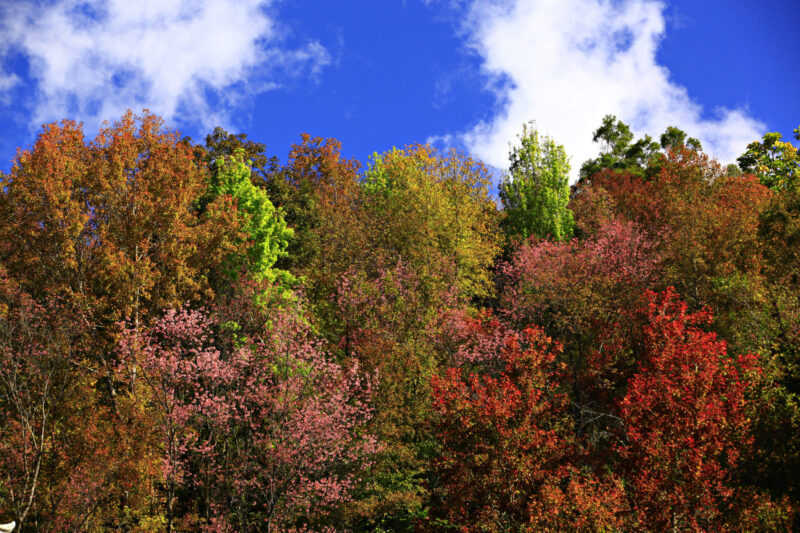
x=268, y=236
x=535, y=191
x=776, y=162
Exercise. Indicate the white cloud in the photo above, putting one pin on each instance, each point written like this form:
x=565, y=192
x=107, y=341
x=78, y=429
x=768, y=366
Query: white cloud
x=7, y=81
x=567, y=63
x=190, y=60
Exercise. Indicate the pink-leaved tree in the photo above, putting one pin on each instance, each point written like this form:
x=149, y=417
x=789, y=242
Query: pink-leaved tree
x=264, y=427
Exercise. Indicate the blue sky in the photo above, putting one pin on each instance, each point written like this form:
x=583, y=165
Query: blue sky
x=386, y=73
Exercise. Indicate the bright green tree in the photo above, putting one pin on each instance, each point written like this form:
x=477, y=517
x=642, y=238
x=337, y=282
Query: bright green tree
x=777, y=163
x=265, y=226
x=535, y=191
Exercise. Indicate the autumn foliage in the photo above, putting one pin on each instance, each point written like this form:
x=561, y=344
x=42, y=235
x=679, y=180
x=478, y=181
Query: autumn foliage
x=263, y=431
x=514, y=451
x=509, y=456
x=198, y=337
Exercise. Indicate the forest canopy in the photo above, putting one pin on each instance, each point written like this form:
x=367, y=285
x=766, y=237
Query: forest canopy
x=200, y=337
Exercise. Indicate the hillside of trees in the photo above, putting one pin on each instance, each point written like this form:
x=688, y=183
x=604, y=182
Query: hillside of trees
x=195, y=336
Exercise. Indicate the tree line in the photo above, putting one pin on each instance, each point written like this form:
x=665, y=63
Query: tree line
x=195, y=336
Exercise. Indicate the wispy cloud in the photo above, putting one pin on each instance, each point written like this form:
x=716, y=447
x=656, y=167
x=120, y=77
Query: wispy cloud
x=190, y=60
x=7, y=82
x=567, y=63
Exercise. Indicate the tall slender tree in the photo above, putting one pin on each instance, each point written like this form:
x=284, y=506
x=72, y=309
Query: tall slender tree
x=535, y=191
x=264, y=226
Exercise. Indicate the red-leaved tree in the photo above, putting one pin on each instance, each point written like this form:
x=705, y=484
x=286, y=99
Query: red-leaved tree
x=582, y=293
x=508, y=458
x=686, y=427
